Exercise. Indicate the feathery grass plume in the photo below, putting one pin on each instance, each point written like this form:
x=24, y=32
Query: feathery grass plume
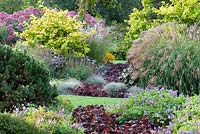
x=167, y=56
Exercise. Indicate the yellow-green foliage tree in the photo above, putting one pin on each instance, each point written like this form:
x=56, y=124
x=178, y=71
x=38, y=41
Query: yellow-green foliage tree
x=58, y=32
x=141, y=20
x=182, y=11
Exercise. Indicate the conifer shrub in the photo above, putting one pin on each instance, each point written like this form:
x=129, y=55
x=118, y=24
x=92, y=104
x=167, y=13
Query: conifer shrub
x=23, y=79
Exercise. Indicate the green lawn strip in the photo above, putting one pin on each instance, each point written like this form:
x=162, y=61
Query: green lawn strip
x=86, y=100
x=119, y=61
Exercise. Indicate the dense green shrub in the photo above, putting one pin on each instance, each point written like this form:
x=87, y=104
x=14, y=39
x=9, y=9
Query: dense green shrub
x=15, y=125
x=156, y=105
x=163, y=56
x=11, y=6
x=58, y=32
x=61, y=4
x=122, y=49
x=117, y=32
x=23, y=79
x=79, y=68
x=33, y=3
x=118, y=14
x=108, y=12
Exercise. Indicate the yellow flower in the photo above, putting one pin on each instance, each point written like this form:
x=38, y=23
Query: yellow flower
x=109, y=57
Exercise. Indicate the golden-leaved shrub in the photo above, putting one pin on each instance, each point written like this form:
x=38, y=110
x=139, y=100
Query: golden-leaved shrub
x=58, y=32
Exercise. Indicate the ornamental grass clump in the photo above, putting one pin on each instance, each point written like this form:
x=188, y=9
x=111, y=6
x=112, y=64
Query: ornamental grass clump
x=99, y=42
x=80, y=68
x=166, y=56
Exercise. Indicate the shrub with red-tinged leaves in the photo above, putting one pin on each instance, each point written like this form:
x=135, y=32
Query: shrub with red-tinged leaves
x=94, y=90
x=15, y=22
x=95, y=119
x=114, y=72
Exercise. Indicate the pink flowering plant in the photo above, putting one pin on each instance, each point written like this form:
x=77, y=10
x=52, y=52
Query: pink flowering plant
x=16, y=22
x=99, y=35
x=88, y=18
x=91, y=24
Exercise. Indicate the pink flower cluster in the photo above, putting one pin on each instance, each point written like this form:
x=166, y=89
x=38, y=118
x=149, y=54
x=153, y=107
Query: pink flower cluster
x=71, y=13
x=90, y=20
x=14, y=22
